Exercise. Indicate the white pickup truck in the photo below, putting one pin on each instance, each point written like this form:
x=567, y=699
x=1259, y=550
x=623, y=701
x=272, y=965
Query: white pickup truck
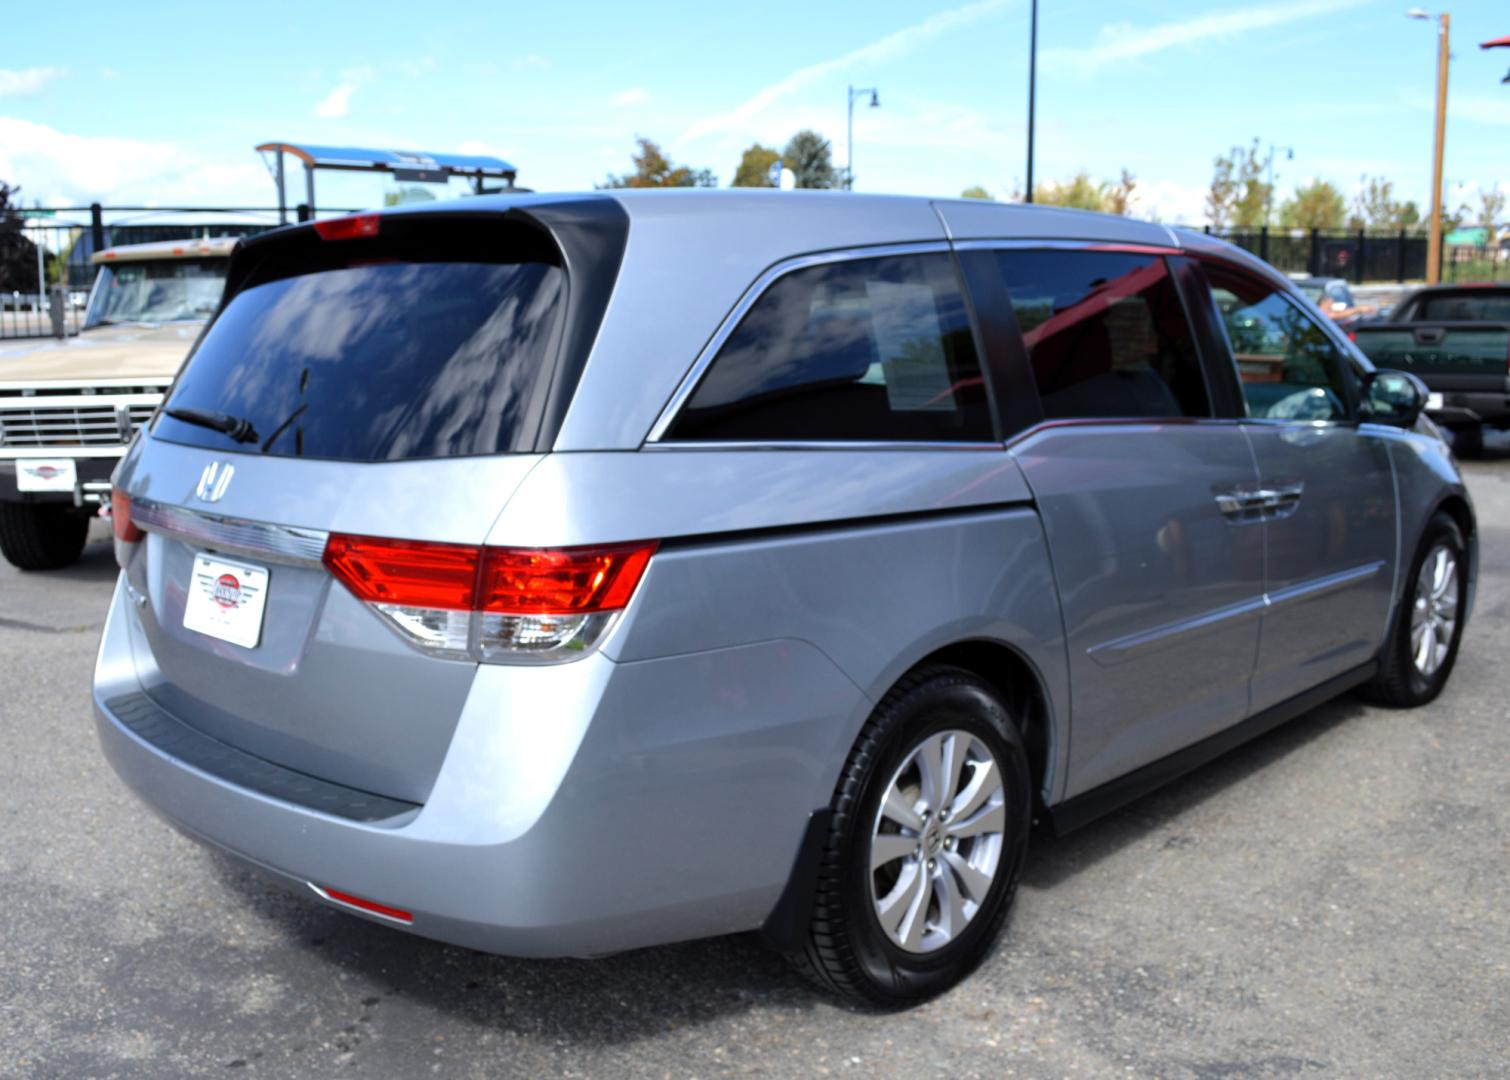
x=69, y=408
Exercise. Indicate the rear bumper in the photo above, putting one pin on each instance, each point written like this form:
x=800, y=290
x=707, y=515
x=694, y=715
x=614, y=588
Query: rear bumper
x=1468, y=400
x=635, y=807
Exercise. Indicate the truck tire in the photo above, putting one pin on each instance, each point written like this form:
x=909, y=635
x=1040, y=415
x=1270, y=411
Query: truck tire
x=40, y=537
x=1468, y=442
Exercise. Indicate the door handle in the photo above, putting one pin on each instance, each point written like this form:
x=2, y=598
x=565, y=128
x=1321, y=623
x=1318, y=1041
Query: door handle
x=1268, y=503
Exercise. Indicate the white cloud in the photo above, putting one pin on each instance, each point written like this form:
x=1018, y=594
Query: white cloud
x=890, y=47
x=28, y=82
x=1122, y=41
x=337, y=103
x=624, y=99
x=64, y=169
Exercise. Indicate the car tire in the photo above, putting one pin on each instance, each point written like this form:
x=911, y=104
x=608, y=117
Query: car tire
x=1403, y=680
x=1468, y=442
x=41, y=537
x=939, y=714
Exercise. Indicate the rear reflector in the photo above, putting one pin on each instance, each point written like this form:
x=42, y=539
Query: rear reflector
x=348, y=228
x=120, y=518
x=504, y=605
x=370, y=906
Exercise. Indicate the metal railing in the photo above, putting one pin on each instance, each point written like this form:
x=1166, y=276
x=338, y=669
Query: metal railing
x=1366, y=256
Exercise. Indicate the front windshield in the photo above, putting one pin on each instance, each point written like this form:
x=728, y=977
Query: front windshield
x=1313, y=293
x=165, y=290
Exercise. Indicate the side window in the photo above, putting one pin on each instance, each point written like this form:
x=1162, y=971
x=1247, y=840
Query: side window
x=1289, y=367
x=868, y=349
x=1106, y=334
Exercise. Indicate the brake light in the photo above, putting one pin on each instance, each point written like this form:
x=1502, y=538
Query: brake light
x=354, y=227
x=505, y=605
x=121, y=525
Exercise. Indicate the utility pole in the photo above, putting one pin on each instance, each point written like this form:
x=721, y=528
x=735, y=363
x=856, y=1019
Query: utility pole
x=1444, y=56
x=1032, y=89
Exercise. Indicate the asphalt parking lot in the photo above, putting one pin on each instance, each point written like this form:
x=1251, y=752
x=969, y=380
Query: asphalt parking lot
x=1330, y=900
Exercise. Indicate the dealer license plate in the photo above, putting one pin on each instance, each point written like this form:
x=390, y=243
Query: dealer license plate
x=45, y=474
x=226, y=600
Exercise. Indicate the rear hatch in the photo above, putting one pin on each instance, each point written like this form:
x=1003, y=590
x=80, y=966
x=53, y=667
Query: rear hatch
x=1454, y=350
x=381, y=376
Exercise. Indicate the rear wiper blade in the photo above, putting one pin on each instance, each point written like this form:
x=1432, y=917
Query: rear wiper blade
x=234, y=426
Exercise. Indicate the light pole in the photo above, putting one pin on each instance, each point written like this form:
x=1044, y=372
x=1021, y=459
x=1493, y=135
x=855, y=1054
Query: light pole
x=1269, y=186
x=1434, y=251
x=849, y=144
x=1032, y=88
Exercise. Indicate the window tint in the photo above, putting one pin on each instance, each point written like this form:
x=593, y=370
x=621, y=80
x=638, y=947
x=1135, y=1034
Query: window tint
x=375, y=361
x=1466, y=307
x=866, y=349
x=1106, y=334
x=1289, y=367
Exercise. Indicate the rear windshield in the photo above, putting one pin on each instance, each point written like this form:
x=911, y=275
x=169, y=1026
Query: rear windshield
x=385, y=358
x=1466, y=307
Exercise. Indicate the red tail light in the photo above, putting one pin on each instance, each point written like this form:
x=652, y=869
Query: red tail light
x=120, y=518
x=409, y=572
x=565, y=581
x=354, y=227
x=493, y=604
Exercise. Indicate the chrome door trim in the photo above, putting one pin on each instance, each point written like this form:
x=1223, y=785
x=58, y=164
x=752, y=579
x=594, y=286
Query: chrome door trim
x=275, y=543
x=1121, y=650
x=756, y=290
x=1323, y=586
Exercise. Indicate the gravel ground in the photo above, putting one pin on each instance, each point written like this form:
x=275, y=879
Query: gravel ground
x=1330, y=900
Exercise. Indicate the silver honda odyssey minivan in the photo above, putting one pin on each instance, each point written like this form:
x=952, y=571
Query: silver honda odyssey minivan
x=559, y=575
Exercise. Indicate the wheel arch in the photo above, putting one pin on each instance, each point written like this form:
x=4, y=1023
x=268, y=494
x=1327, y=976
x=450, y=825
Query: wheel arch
x=1011, y=674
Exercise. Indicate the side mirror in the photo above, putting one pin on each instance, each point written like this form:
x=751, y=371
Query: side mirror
x=1393, y=397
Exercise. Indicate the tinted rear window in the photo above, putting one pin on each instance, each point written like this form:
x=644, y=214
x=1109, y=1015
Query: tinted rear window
x=869, y=349
x=385, y=358
x=1466, y=307
x=1106, y=334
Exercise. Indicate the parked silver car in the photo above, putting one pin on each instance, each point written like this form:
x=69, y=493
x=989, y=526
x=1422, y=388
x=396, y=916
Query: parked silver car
x=565, y=574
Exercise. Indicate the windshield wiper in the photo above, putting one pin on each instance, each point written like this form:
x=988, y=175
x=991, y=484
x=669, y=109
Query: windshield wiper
x=234, y=426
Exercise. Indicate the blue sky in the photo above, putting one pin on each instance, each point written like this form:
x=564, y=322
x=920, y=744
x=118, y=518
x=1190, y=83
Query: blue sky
x=162, y=102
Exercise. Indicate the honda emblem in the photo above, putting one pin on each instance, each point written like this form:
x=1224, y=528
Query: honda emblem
x=214, y=480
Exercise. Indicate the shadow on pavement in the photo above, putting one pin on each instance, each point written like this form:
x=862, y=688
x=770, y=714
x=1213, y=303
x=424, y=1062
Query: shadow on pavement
x=608, y=1001
x=1052, y=859
x=651, y=991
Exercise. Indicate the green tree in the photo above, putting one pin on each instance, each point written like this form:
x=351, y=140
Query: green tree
x=1119, y=196
x=18, y=255
x=1238, y=197
x=1375, y=206
x=1317, y=205
x=755, y=166
x=1079, y=193
x=811, y=158
x=408, y=193
x=653, y=169
x=1491, y=211
x=975, y=191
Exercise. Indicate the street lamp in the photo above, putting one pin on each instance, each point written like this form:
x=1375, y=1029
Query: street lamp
x=1434, y=251
x=849, y=145
x=1032, y=89
x=1269, y=189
